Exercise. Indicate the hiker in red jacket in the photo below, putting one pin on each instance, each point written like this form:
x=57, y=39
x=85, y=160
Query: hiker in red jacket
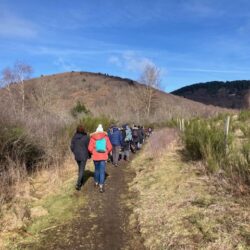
x=99, y=147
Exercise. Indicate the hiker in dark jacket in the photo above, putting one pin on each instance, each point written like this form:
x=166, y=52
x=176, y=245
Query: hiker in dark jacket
x=140, y=137
x=115, y=137
x=79, y=147
x=126, y=140
x=135, y=136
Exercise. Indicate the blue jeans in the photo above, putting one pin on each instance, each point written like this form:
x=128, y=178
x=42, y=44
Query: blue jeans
x=100, y=167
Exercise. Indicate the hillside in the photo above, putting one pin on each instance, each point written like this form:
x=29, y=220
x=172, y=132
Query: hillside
x=102, y=94
x=234, y=94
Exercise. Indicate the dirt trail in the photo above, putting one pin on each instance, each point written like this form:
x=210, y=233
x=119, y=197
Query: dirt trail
x=103, y=223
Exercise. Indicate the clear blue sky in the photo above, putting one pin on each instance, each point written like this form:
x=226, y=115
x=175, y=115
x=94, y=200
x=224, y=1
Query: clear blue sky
x=189, y=40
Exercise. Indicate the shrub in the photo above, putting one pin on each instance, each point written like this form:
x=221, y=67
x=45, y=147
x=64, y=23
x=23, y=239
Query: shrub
x=244, y=115
x=79, y=108
x=90, y=124
x=16, y=145
x=205, y=140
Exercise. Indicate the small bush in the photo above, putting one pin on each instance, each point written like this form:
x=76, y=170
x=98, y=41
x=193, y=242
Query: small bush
x=90, y=124
x=79, y=108
x=244, y=115
x=16, y=145
x=205, y=140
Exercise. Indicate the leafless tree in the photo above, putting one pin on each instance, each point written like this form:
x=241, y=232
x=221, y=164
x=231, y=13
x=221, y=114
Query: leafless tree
x=150, y=78
x=16, y=75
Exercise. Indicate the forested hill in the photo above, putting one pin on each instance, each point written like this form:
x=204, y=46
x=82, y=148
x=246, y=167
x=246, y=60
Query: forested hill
x=229, y=94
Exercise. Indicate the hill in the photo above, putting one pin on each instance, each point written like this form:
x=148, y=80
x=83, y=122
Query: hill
x=115, y=97
x=234, y=94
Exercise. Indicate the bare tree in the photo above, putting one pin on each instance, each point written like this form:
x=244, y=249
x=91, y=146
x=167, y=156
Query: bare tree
x=17, y=75
x=7, y=80
x=150, y=78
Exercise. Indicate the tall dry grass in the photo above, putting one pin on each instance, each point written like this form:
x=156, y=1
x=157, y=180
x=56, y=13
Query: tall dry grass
x=179, y=207
x=28, y=141
x=159, y=142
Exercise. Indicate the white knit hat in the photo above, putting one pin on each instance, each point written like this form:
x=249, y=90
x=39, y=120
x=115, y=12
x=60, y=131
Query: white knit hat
x=99, y=128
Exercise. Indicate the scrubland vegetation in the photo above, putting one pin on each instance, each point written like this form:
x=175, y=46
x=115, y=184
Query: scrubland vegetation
x=38, y=118
x=34, y=160
x=226, y=154
x=179, y=206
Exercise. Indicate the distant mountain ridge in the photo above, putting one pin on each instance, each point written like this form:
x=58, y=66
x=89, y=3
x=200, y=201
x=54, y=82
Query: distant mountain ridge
x=229, y=94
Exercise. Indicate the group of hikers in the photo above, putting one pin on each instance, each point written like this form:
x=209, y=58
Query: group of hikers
x=112, y=146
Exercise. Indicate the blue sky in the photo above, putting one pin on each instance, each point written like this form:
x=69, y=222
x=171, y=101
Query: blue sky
x=189, y=40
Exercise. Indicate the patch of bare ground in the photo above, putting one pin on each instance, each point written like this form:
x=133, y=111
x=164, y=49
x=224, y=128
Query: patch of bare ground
x=180, y=207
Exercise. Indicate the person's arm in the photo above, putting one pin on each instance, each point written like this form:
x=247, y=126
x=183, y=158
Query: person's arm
x=91, y=145
x=87, y=140
x=120, y=138
x=109, y=145
x=72, y=144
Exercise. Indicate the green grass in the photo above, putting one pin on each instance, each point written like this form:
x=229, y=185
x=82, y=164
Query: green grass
x=62, y=206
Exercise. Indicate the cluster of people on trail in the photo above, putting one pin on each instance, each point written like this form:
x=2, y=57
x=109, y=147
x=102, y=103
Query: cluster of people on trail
x=112, y=146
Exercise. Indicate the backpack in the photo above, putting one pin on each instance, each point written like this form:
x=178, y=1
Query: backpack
x=128, y=135
x=135, y=133
x=100, y=145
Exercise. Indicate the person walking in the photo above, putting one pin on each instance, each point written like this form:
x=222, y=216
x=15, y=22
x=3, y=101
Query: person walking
x=126, y=140
x=115, y=137
x=135, y=136
x=79, y=147
x=99, y=147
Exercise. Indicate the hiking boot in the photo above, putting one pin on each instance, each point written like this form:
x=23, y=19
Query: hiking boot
x=116, y=165
x=96, y=184
x=101, y=189
x=77, y=188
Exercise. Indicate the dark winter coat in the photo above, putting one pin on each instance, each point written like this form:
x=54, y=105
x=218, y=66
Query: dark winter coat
x=140, y=135
x=135, y=135
x=115, y=136
x=79, y=146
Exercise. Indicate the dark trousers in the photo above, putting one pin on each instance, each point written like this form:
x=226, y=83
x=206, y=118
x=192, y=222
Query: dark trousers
x=81, y=168
x=115, y=153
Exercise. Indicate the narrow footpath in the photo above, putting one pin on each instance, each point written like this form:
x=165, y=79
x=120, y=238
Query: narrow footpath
x=103, y=222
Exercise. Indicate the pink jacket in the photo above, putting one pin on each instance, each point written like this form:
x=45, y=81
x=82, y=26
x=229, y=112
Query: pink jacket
x=96, y=156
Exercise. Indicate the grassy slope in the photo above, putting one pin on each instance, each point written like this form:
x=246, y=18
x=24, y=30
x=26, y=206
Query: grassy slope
x=179, y=207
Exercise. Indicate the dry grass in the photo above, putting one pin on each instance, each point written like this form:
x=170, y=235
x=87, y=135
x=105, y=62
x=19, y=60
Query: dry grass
x=99, y=93
x=179, y=207
x=45, y=191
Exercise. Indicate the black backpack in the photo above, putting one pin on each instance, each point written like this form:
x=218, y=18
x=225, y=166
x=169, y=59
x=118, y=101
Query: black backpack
x=135, y=133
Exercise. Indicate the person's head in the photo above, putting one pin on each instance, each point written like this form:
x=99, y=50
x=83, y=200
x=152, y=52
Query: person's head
x=80, y=129
x=99, y=128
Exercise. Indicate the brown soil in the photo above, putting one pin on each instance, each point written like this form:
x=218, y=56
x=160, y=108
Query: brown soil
x=103, y=223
